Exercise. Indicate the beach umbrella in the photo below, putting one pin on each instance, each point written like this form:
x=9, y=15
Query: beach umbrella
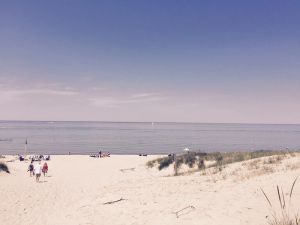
x=186, y=149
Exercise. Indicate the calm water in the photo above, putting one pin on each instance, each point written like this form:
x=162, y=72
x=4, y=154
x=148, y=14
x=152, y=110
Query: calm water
x=133, y=138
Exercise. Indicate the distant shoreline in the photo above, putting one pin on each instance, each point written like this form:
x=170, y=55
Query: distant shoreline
x=153, y=154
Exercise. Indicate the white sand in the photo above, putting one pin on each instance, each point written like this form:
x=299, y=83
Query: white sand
x=77, y=187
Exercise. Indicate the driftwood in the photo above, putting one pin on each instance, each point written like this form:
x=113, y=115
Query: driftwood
x=112, y=202
x=12, y=160
x=184, y=211
x=128, y=169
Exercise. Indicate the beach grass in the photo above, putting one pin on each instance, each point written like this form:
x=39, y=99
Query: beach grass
x=218, y=159
x=286, y=214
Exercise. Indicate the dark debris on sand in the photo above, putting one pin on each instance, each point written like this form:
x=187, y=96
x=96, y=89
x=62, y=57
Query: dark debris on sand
x=3, y=167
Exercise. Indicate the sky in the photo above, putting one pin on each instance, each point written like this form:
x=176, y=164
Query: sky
x=206, y=61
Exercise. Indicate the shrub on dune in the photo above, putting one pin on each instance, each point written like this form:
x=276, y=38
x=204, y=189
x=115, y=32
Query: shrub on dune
x=165, y=162
x=3, y=167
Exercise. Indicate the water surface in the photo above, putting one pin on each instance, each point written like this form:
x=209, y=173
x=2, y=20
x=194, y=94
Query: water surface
x=150, y=138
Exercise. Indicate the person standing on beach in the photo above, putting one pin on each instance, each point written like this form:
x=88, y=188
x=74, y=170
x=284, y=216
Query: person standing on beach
x=30, y=169
x=38, y=171
x=45, y=169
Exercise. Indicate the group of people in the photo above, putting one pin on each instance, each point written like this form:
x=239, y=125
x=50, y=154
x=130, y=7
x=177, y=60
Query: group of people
x=101, y=155
x=104, y=154
x=37, y=169
x=39, y=157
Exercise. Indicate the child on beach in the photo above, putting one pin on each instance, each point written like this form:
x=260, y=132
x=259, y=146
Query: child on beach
x=45, y=169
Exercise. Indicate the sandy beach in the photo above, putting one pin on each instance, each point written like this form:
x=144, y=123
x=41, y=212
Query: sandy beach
x=77, y=188
x=150, y=112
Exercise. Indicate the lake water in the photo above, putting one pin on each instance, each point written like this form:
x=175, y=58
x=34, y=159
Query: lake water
x=150, y=138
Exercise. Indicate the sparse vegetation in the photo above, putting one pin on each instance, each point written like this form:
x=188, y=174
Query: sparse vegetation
x=274, y=159
x=219, y=159
x=253, y=165
x=285, y=216
x=294, y=166
x=3, y=167
x=267, y=169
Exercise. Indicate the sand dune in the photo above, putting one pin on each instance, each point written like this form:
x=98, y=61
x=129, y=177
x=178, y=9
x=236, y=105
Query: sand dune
x=78, y=186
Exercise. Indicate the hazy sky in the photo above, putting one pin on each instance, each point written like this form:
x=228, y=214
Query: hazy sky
x=158, y=60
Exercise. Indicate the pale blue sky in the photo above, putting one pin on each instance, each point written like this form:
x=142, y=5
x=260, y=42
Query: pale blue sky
x=194, y=61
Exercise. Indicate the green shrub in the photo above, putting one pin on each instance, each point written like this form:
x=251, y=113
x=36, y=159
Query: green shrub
x=165, y=162
x=3, y=167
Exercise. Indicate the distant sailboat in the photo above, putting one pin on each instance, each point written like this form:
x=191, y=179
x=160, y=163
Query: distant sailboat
x=152, y=124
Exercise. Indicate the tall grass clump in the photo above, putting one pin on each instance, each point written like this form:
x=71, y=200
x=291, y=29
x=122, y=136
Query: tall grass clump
x=286, y=215
x=3, y=167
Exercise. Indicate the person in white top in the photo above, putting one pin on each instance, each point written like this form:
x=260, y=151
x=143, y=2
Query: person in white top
x=38, y=171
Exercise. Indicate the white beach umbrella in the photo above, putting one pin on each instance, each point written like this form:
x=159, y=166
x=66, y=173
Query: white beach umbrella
x=186, y=149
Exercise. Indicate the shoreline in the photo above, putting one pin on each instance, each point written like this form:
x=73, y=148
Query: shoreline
x=162, y=153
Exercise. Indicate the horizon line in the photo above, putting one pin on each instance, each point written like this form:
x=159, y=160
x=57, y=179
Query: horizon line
x=174, y=122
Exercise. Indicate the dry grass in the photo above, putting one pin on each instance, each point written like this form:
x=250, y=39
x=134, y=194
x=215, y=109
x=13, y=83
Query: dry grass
x=266, y=170
x=253, y=165
x=285, y=216
x=274, y=159
x=294, y=166
x=220, y=159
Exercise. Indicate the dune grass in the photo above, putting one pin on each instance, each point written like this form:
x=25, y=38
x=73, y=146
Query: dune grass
x=192, y=159
x=285, y=216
